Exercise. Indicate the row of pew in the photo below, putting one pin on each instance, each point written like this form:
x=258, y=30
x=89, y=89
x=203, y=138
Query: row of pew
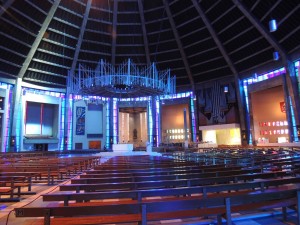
x=19, y=173
x=150, y=188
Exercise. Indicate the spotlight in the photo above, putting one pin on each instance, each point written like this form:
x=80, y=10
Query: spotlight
x=275, y=56
x=225, y=89
x=272, y=25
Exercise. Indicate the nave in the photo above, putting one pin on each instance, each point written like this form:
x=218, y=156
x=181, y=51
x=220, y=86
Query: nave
x=142, y=178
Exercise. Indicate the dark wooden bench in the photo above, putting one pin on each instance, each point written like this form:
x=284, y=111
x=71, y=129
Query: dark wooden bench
x=170, y=183
x=222, y=206
x=186, y=175
x=27, y=175
x=50, y=169
x=101, y=174
x=4, y=190
x=10, y=183
x=138, y=195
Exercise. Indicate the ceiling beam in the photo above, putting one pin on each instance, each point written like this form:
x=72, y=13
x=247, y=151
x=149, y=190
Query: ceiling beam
x=179, y=44
x=141, y=11
x=215, y=37
x=288, y=15
x=80, y=38
x=114, y=33
x=5, y=6
x=12, y=23
x=43, y=82
x=290, y=84
x=270, y=10
x=46, y=72
x=263, y=31
x=38, y=38
x=228, y=61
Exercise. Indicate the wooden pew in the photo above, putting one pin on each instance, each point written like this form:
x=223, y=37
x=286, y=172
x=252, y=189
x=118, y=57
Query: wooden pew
x=222, y=206
x=51, y=169
x=159, y=169
x=139, y=195
x=4, y=190
x=163, y=177
x=9, y=183
x=27, y=175
x=170, y=183
x=169, y=171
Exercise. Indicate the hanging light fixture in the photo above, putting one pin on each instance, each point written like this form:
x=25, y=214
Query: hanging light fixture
x=126, y=80
x=225, y=89
x=275, y=55
x=272, y=25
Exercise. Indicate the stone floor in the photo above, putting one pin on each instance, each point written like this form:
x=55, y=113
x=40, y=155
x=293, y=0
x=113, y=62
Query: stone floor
x=7, y=216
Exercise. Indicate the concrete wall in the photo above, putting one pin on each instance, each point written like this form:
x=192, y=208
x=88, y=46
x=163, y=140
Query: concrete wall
x=172, y=118
x=266, y=110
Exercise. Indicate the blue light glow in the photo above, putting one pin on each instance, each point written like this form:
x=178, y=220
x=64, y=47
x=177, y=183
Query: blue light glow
x=70, y=123
x=107, y=124
x=150, y=128
x=259, y=78
x=157, y=121
x=193, y=118
x=62, y=122
x=293, y=121
x=115, y=120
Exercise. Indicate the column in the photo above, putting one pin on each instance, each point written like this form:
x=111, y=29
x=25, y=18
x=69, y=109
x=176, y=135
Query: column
x=246, y=135
x=15, y=137
x=291, y=100
x=193, y=117
x=186, y=141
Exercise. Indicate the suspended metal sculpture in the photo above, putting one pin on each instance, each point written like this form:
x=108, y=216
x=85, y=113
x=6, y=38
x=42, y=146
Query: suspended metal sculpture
x=125, y=81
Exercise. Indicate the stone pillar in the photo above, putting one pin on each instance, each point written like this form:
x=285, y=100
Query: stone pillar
x=291, y=100
x=186, y=140
x=15, y=121
x=244, y=115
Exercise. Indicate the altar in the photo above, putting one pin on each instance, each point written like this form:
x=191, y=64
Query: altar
x=122, y=147
x=207, y=145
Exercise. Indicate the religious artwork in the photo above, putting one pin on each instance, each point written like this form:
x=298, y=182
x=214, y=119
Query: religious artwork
x=80, y=120
x=282, y=107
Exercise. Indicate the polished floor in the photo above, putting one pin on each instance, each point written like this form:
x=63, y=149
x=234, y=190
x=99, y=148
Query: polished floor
x=7, y=216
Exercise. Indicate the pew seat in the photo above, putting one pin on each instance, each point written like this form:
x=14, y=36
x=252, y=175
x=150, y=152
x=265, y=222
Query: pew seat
x=222, y=206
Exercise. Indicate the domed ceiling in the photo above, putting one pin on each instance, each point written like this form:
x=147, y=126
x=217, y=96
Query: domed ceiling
x=41, y=40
